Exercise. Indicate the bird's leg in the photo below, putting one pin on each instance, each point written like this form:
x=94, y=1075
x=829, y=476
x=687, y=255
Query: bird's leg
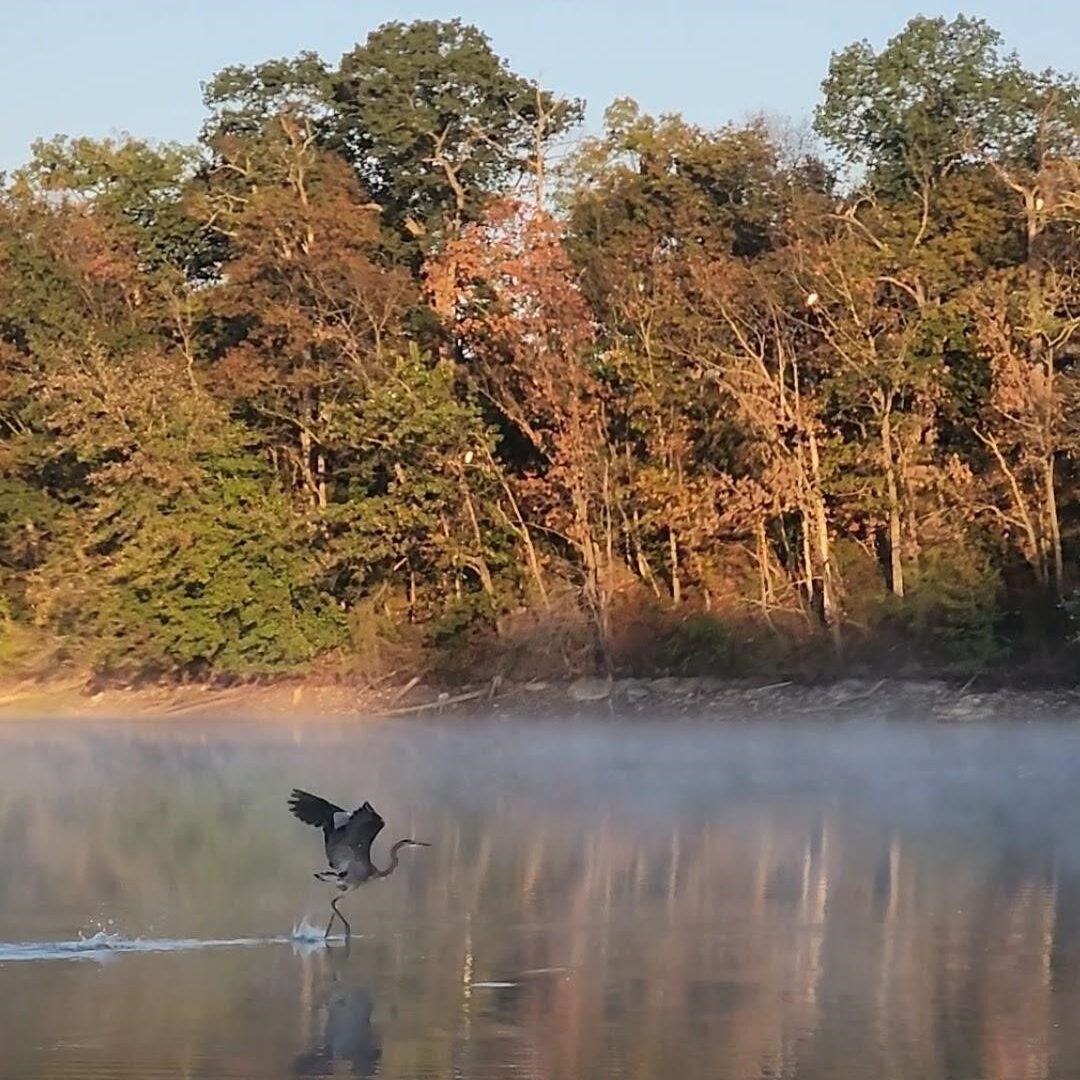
x=344, y=921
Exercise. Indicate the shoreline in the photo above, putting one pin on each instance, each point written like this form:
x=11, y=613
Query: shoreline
x=667, y=696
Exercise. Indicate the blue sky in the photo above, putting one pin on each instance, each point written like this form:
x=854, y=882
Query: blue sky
x=102, y=67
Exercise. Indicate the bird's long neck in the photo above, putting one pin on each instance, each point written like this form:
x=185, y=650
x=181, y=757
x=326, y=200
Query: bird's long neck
x=393, y=864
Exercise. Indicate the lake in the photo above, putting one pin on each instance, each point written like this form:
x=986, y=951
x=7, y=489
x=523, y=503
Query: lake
x=679, y=899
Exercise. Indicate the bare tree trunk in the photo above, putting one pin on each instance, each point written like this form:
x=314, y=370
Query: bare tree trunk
x=808, y=558
x=519, y=525
x=676, y=583
x=595, y=586
x=830, y=607
x=812, y=509
x=764, y=576
x=1050, y=488
x=641, y=561
x=908, y=495
x=896, y=567
x=320, y=478
x=1054, y=522
x=589, y=553
x=1039, y=356
x=479, y=563
x=1035, y=544
x=306, y=457
x=609, y=525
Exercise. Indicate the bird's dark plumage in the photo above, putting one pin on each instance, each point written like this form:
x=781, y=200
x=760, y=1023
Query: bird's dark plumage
x=312, y=810
x=348, y=836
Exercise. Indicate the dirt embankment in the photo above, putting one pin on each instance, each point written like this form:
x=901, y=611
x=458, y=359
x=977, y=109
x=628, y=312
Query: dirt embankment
x=703, y=697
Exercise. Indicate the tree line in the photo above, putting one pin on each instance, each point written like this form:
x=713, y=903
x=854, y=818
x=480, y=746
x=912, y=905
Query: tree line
x=395, y=366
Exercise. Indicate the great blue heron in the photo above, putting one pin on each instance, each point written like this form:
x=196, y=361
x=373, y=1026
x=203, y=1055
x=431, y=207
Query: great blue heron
x=349, y=835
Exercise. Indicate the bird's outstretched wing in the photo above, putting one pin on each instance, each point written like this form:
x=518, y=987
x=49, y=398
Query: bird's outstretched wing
x=362, y=828
x=312, y=810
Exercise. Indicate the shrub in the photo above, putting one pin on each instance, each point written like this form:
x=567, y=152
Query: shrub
x=952, y=609
x=211, y=580
x=700, y=643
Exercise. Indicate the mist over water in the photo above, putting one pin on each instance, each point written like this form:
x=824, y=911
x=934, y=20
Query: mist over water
x=671, y=898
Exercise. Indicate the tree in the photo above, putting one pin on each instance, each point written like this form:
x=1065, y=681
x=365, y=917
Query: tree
x=313, y=314
x=430, y=118
x=68, y=284
x=667, y=223
x=434, y=122
x=243, y=101
x=182, y=557
x=758, y=350
x=505, y=287
x=366, y=364
x=866, y=309
x=138, y=188
x=940, y=94
x=418, y=497
x=1028, y=424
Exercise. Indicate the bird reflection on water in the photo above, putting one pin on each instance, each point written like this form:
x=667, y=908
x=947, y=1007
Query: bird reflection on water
x=348, y=1035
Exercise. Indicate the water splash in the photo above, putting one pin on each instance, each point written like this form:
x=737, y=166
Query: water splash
x=103, y=945
x=307, y=933
x=307, y=938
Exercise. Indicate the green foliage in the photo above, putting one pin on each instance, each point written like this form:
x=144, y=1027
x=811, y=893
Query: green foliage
x=1070, y=608
x=29, y=520
x=241, y=100
x=459, y=616
x=700, y=644
x=953, y=610
x=724, y=190
x=433, y=120
x=210, y=580
x=138, y=186
x=419, y=492
x=937, y=94
x=22, y=652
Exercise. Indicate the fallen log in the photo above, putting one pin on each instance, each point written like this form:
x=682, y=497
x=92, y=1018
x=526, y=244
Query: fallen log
x=438, y=703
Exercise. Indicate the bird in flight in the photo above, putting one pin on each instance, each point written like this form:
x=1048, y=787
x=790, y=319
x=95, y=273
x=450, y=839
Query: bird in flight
x=348, y=836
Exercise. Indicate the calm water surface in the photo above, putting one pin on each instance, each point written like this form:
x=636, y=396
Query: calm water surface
x=602, y=900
